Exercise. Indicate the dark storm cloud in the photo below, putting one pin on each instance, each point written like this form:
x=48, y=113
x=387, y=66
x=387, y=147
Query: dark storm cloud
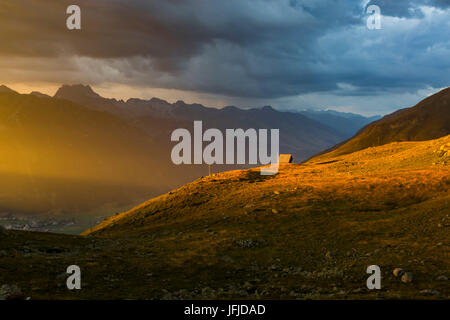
x=407, y=8
x=164, y=30
x=257, y=48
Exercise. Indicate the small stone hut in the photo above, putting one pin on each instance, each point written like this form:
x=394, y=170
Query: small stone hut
x=285, y=158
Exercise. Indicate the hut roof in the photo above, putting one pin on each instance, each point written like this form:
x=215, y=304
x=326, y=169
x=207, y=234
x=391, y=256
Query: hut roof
x=285, y=158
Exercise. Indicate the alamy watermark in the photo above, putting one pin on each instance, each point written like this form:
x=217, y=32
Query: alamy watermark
x=74, y=280
x=235, y=140
x=374, y=281
x=374, y=20
x=73, y=22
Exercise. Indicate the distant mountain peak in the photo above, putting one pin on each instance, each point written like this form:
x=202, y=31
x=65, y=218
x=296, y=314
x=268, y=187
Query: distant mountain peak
x=77, y=90
x=267, y=108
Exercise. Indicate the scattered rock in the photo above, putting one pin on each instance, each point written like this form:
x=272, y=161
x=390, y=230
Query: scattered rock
x=398, y=272
x=430, y=292
x=407, y=277
x=10, y=292
x=442, y=278
x=249, y=243
x=276, y=192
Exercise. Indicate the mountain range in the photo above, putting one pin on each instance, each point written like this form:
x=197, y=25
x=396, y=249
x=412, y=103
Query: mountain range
x=299, y=134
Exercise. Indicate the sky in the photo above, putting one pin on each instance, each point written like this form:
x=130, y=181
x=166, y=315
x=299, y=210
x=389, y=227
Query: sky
x=290, y=54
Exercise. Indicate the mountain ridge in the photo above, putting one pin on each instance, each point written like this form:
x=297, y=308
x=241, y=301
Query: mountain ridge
x=348, y=123
x=300, y=135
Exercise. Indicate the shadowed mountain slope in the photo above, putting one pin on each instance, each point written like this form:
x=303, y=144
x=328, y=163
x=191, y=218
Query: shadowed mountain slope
x=58, y=156
x=429, y=119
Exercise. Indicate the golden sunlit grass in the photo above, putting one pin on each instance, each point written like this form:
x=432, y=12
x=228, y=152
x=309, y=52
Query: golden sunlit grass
x=397, y=174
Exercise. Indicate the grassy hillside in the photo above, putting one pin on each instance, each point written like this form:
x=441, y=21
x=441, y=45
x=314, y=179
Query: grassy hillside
x=309, y=232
